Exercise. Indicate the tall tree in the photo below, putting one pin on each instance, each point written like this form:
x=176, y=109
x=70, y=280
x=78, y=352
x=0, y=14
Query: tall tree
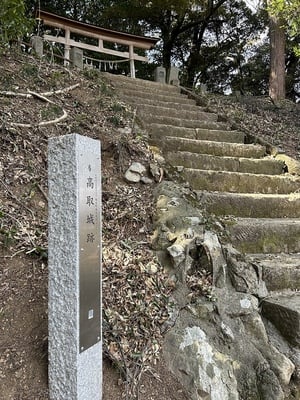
x=289, y=11
x=284, y=18
x=171, y=18
x=197, y=38
x=277, y=56
x=221, y=43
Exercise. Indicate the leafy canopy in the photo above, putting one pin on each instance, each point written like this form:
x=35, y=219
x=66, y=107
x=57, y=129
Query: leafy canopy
x=13, y=21
x=289, y=12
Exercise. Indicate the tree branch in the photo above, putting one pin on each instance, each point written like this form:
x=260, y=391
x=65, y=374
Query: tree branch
x=43, y=123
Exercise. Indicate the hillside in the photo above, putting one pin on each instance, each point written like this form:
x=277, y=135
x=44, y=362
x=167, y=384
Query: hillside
x=90, y=107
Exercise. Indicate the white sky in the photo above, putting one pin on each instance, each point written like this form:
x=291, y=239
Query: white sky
x=253, y=4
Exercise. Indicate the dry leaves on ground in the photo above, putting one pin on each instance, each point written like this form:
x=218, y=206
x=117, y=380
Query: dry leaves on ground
x=135, y=288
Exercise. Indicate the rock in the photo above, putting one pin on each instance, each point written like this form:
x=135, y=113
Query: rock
x=194, y=220
x=295, y=358
x=155, y=171
x=159, y=159
x=279, y=363
x=132, y=177
x=203, y=371
x=218, y=349
x=164, y=228
x=201, y=309
x=174, y=202
x=292, y=164
x=175, y=219
x=214, y=252
x=138, y=168
x=283, y=311
x=235, y=304
x=279, y=271
x=151, y=268
x=41, y=204
x=268, y=385
x=177, y=253
x=146, y=180
x=245, y=277
x=173, y=313
x=189, y=234
x=135, y=172
x=227, y=331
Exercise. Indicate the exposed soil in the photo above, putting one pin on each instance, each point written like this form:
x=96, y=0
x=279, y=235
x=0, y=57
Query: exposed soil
x=93, y=110
x=278, y=124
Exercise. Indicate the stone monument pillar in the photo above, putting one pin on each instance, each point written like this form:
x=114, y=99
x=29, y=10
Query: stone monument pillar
x=37, y=45
x=76, y=57
x=75, y=342
x=173, y=76
x=160, y=75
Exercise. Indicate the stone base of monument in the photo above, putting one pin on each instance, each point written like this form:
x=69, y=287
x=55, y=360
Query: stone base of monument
x=75, y=344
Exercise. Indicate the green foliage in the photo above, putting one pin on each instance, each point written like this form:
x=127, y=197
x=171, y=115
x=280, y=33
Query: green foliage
x=105, y=89
x=117, y=107
x=224, y=55
x=116, y=120
x=75, y=9
x=29, y=70
x=91, y=74
x=212, y=42
x=13, y=22
x=51, y=111
x=120, y=114
x=289, y=12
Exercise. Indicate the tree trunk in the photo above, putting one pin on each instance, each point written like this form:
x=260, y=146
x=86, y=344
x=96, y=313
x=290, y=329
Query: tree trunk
x=193, y=61
x=277, y=59
x=167, y=55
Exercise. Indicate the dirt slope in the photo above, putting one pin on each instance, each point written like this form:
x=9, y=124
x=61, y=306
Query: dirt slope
x=92, y=109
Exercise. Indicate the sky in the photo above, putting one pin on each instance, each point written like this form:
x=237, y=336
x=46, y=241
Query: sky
x=253, y=4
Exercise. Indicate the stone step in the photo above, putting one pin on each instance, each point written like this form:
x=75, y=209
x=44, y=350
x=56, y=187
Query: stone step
x=264, y=235
x=165, y=97
x=279, y=271
x=283, y=310
x=267, y=165
x=220, y=149
x=187, y=123
x=139, y=84
x=153, y=90
x=250, y=205
x=176, y=117
x=190, y=106
x=235, y=182
x=214, y=135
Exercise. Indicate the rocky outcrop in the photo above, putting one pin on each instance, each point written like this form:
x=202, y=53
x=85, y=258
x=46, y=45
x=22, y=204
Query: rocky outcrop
x=217, y=346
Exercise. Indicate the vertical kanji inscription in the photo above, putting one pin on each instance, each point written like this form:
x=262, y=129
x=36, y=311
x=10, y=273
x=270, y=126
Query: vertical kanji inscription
x=90, y=257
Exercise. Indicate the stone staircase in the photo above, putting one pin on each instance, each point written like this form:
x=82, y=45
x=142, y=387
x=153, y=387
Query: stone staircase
x=232, y=179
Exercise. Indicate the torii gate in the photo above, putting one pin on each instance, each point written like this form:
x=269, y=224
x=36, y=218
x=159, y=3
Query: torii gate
x=102, y=35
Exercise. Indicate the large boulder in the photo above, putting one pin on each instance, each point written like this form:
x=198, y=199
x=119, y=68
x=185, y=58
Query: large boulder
x=217, y=344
